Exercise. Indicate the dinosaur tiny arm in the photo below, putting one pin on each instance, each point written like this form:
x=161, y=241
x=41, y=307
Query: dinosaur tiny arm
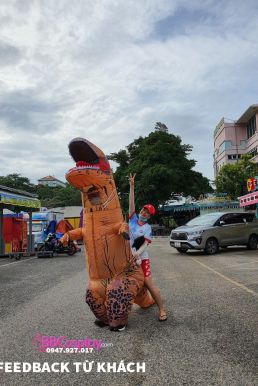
x=120, y=228
x=75, y=234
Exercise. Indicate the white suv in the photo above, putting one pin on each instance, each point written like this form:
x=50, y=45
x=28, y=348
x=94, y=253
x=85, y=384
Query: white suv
x=213, y=230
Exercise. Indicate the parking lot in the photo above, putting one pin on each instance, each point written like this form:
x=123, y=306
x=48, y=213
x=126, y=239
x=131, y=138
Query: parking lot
x=235, y=265
x=210, y=337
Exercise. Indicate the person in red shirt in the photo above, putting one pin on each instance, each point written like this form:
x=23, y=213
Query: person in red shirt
x=140, y=231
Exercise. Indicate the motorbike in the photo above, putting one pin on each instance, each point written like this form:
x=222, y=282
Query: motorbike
x=53, y=244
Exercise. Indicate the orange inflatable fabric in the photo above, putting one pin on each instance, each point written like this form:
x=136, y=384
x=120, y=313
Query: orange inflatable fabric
x=115, y=282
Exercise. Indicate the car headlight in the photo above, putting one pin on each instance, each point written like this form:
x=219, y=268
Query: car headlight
x=195, y=234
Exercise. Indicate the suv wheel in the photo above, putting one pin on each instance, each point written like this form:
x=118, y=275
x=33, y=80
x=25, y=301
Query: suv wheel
x=182, y=250
x=211, y=246
x=252, y=242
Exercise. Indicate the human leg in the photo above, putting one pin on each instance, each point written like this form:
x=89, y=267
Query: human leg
x=155, y=293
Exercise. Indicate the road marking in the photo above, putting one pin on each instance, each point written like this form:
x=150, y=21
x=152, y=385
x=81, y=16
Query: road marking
x=242, y=286
x=249, y=269
x=16, y=262
x=245, y=263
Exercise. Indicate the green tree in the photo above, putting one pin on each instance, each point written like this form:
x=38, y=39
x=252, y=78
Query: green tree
x=232, y=178
x=52, y=197
x=16, y=181
x=161, y=164
x=161, y=127
x=49, y=197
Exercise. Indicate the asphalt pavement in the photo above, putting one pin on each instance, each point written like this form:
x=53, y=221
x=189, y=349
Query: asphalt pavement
x=210, y=337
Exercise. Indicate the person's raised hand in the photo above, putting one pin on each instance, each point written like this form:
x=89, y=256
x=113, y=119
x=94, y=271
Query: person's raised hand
x=131, y=178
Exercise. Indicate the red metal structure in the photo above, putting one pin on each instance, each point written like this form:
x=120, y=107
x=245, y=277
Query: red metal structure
x=248, y=199
x=14, y=233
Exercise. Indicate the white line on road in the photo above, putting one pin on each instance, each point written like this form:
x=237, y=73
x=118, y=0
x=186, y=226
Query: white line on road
x=16, y=262
x=247, y=269
x=240, y=285
x=245, y=263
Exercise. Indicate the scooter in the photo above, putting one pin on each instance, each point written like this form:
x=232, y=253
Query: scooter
x=53, y=244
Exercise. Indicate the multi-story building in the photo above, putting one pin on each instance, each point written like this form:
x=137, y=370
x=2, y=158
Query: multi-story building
x=234, y=138
x=50, y=181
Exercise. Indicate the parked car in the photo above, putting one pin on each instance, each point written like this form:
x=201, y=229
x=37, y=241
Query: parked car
x=211, y=231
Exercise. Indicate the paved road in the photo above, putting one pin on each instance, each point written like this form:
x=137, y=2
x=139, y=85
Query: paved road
x=210, y=338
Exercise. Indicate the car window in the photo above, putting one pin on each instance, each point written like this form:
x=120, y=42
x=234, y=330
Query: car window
x=239, y=218
x=249, y=217
x=233, y=218
x=205, y=219
x=227, y=218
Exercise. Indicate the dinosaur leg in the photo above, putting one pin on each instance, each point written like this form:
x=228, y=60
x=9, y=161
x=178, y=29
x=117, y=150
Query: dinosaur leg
x=95, y=298
x=144, y=299
x=120, y=298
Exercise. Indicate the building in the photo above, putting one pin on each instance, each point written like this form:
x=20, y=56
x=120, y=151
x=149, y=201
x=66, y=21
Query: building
x=51, y=181
x=232, y=139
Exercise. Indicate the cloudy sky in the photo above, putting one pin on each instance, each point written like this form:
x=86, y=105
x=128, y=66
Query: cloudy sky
x=107, y=70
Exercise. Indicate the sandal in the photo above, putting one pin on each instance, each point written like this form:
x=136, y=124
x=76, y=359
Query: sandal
x=163, y=317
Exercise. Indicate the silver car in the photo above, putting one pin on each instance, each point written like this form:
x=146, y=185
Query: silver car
x=213, y=230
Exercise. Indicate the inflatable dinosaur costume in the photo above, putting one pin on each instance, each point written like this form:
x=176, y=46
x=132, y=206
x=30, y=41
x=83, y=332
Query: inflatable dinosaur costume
x=115, y=282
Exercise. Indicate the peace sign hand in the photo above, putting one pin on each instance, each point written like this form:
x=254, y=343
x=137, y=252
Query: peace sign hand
x=131, y=178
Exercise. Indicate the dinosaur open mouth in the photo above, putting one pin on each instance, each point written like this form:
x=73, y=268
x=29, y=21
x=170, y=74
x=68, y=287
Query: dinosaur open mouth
x=85, y=156
x=81, y=151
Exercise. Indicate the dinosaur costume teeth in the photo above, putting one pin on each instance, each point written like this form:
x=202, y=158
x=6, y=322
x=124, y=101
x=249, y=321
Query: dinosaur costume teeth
x=115, y=282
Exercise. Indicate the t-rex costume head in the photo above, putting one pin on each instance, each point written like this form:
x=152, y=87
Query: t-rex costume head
x=115, y=281
x=92, y=166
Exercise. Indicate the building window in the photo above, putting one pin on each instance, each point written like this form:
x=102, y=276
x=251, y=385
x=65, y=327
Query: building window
x=243, y=142
x=224, y=146
x=251, y=127
x=234, y=156
x=253, y=151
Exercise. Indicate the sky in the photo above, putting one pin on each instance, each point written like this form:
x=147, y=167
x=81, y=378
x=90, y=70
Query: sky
x=108, y=70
